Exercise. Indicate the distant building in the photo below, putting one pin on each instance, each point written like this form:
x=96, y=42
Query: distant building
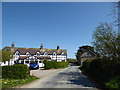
x=86, y=54
x=27, y=55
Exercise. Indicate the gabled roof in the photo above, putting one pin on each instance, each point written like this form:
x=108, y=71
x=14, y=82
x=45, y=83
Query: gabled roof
x=33, y=51
x=88, y=51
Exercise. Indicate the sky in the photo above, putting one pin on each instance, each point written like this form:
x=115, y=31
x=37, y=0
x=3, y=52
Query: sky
x=67, y=24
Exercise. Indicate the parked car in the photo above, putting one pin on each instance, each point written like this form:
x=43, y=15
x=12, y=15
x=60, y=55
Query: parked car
x=33, y=65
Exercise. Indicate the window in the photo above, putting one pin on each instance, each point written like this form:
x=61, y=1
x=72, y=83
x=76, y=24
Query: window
x=54, y=54
x=17, y=53
x=40, y=61
x=27, y=53
x=88, y=54
x=63, y=60
x=38, y=53
x=26, y=61
x=22, y=61
x=31, y=61
x=63, y=53
x=45, y=53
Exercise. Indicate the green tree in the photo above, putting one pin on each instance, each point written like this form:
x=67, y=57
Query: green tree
x=116, y=13
x=5, y=55
x=0, y=55
x=106, y=41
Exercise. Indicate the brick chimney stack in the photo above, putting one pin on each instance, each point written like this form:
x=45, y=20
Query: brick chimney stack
x=41, y=46
x=58, y=47
x=13, y=45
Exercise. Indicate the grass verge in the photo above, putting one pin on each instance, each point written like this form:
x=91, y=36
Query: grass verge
x=8, y=83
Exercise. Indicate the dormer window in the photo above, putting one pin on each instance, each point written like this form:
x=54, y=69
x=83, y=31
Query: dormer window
x=63, y=53
x=27, y=53
x=17, y=53
x=54, y=54
x=38, y=53
x=45, y=53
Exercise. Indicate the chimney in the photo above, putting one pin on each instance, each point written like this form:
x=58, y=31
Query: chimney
x=58, y=47
x=12, y=45
x=41, y=46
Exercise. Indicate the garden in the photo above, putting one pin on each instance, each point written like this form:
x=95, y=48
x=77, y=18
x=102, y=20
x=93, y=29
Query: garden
x=16, y=75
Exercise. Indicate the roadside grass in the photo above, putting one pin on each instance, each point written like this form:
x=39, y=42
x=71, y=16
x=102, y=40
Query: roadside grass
x=9, y=83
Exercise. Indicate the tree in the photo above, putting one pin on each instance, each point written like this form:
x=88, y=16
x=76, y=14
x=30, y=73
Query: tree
x=106, y=41
x=116, y=15
x=5, y=55
x=0, y=55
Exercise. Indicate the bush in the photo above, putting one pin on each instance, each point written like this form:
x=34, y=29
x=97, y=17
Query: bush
x=96, y=66
x=114, y=82
x=71, y=60
x=104, y=71
x=86, y=65
x=55, y=64
x=15, y=71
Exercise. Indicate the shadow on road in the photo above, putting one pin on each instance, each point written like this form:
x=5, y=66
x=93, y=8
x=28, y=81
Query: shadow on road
x=77, y=78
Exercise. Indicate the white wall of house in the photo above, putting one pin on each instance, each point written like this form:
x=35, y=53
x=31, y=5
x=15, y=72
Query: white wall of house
x=41, y=64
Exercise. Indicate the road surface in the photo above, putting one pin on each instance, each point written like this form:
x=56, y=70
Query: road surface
x=70, y=77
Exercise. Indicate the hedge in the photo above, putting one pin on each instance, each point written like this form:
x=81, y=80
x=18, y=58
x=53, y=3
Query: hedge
x=104, y=71
x=15, y=71
x=55, y=64
x=71, y=60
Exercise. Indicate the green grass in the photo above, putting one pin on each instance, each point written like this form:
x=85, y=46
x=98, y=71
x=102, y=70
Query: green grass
x=8, y=83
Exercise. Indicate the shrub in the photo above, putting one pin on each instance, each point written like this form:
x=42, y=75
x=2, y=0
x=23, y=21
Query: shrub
x=114, y=82
x=86, y=65
x=55, y=64
x=104, y=71
x=96, y=66
x=15, y=71
x=71, y=60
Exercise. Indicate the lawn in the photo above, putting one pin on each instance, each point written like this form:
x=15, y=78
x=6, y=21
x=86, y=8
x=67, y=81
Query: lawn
x=8, y=83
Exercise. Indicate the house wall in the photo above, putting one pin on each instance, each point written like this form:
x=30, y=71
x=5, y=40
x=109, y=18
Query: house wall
x=53, y=57
x=86, y=56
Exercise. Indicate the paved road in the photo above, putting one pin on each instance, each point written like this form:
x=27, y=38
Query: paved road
x=70, y=77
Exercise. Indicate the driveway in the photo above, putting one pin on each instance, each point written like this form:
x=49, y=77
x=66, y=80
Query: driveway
x=41, y=73
x=70, y=77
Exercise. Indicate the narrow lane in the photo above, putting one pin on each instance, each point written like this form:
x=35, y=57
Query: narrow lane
x=68, y=78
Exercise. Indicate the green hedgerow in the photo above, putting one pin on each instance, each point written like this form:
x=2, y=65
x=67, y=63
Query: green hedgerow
x=15, y=71
x=113, y=83
x=55, y=64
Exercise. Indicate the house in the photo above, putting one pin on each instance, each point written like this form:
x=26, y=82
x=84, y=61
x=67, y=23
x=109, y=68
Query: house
x=28, y=55
x=86, y=54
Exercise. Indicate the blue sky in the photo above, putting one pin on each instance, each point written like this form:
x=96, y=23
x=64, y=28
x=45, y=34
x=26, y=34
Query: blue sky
x=67, y=24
